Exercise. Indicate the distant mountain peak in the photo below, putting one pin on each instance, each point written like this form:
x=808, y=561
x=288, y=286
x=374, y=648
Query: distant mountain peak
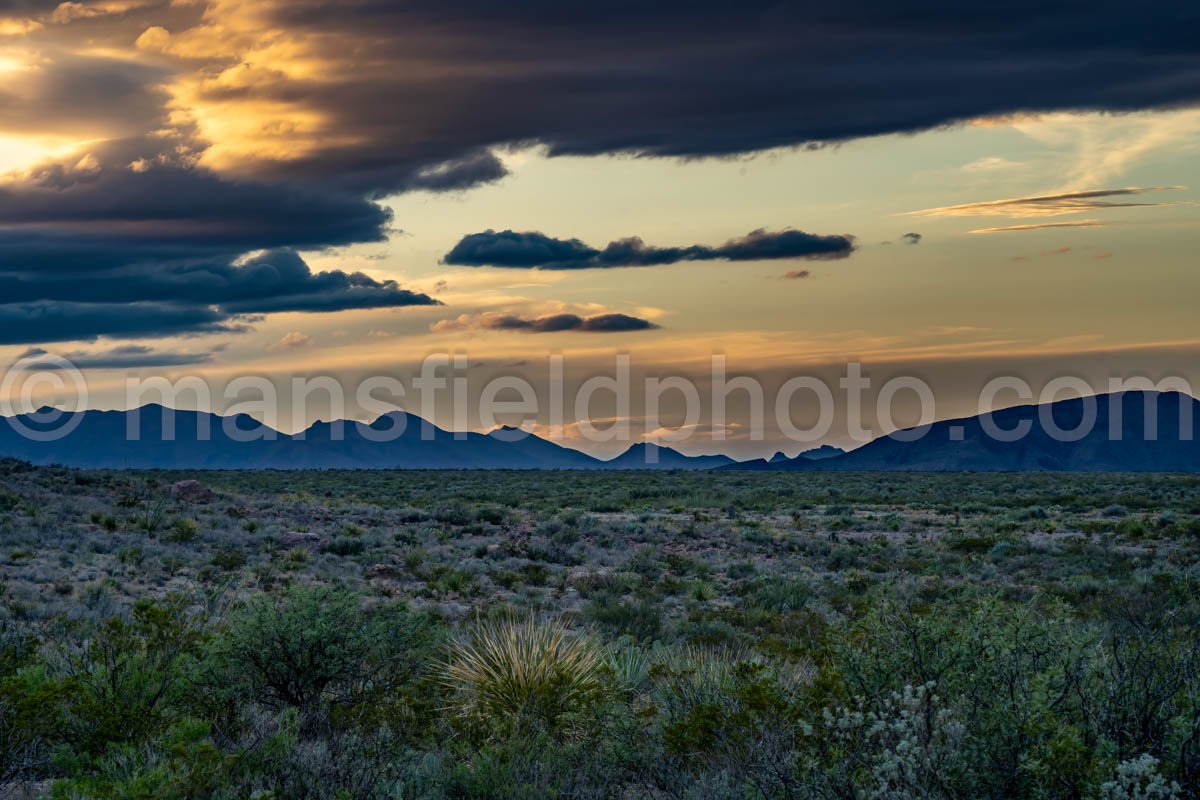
x=822, y=452
x=651, y=455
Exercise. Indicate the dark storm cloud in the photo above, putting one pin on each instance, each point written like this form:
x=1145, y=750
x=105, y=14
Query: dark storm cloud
x=269, y=282
x=460, y=173
x=161, y=300
x=177, y=208
x=601, y=323
x=533, y=250
x=52, y=321
x=715, y=78
x=78, y=243
x=416, y=92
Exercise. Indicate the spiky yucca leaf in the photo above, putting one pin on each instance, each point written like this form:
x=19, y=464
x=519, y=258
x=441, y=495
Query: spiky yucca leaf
x=513, y=672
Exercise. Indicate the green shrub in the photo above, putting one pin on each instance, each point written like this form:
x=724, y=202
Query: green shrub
x=345, y=547
x=638, y=618
x=317, y=645
x=184, y=530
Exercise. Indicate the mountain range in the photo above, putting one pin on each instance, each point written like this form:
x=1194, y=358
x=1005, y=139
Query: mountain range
x=1125, y=432
x=154, y=437
x=1100, y=433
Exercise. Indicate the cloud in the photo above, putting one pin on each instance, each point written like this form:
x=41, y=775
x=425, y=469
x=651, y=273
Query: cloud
x=556, y=323
x=194, y=251
x=16, y=26
x=130, y=357
x=182, y=297
x=533, y=250
x=51, y=321
x=464, y=172
x=174, y=239
x=911, y=238
x=176, y=209
x=465, y=76
x=70, y=11
x=1037, y=226
x=1064, y=250
x=200, y=132
x=292, y=341
x=1050, y=204
x=670, y=78
x=268, y=282
x=991, y=164
x=84, y=96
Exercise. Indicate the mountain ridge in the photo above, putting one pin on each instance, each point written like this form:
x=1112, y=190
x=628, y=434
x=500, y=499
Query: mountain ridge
x=1113, y=442
x=204, y=440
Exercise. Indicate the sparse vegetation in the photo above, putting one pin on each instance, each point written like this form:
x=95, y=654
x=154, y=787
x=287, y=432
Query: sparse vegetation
x=584, y=635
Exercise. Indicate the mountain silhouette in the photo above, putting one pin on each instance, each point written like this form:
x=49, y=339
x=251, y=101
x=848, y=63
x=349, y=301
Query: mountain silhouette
x=155, y=437
x=1130, y=431
x=821, y=453
x=646, y=455
x=1127, y=432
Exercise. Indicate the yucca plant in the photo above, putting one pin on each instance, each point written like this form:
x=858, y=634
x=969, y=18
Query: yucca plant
x=517, y=673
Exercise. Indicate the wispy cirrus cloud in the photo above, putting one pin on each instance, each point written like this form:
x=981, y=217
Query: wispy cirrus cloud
x=1049, y=205
x=1037, y=226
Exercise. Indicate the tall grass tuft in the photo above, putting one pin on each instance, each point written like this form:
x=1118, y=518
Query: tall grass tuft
x=517, y=673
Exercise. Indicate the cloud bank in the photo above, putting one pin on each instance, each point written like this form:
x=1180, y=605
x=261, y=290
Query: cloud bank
x=208, y=131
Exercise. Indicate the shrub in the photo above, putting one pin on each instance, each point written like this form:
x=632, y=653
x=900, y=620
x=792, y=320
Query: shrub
x=640, y=619
x=1139, y=779
x=524, y=673
x=778, y=595
x=229, y=559
x=184, y=530
x=122, y=678
x=345, y=547
x=313, y=645
x=910, y=746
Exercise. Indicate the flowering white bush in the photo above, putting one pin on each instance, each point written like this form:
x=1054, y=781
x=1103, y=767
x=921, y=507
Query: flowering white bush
x=909, y=747
x=1139, y=779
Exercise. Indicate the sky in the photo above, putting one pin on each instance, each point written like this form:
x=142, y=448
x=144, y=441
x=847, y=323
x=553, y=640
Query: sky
x=222, y=189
